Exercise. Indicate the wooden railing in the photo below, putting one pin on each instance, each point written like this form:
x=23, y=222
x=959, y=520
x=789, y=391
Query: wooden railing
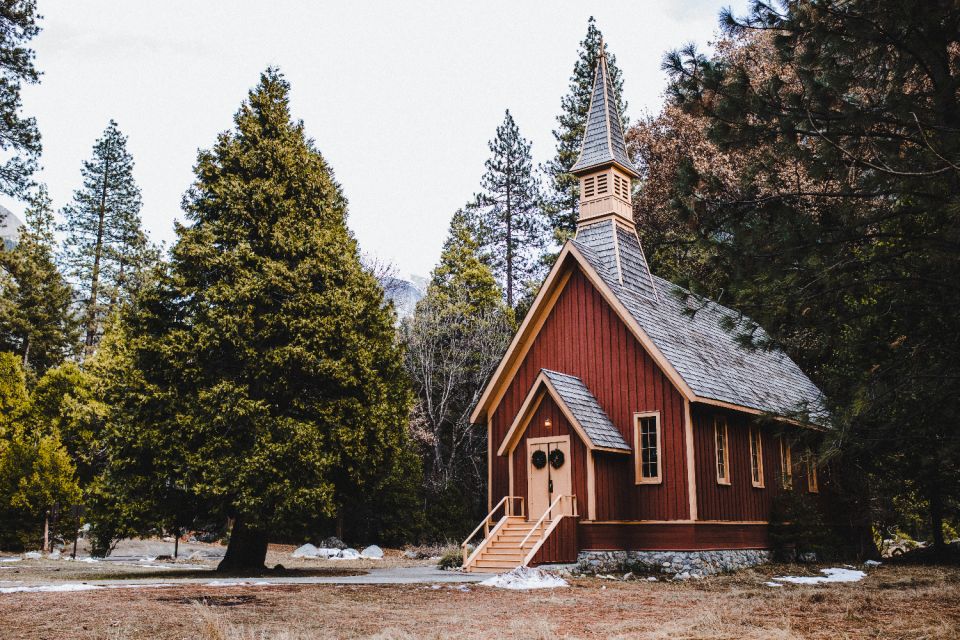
x=508, y=503
x=553, y=525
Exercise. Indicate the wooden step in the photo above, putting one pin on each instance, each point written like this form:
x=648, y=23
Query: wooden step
x=505, y=565
x=509, y=552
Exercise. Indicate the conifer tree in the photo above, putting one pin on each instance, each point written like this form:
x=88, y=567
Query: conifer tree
x=564, y=189
x=19, y=137
x=106, y=251
x=260, y=376
x=455, y=339
x=36, y=319
x=831, y=211
x=508, y=213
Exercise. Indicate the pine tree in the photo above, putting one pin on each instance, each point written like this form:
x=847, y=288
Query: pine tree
x=260, y=375
x=19, y=137
x=455, y=339
x=564, y=187
x=106, y=252
x=508, y=212
x=833, y=217
x=36, y=319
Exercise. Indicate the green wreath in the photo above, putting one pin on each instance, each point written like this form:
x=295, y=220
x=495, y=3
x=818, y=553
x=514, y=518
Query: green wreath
x=556, y=458
x=539, y=459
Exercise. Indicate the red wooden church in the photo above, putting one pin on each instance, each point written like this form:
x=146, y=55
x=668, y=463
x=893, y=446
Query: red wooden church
x=619, y=421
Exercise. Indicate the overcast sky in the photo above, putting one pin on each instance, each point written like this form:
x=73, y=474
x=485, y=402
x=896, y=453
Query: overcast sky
x=400, y=97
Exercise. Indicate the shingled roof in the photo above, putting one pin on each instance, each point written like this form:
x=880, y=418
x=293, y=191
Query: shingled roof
x=579, y=405
x=585, y=408
x=603, y=141
x=689, y=332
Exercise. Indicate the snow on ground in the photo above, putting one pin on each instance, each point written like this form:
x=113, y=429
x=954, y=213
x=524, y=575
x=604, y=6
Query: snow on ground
x=834, y=574
x=871, y=563
x=238, y=583
x=523, y=578
x=67, y=586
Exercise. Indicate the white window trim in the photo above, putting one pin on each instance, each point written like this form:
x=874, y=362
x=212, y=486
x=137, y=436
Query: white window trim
x=786, y=466
x=725, y=480
x=638, y=453
x=813, y=481
x=758, y=444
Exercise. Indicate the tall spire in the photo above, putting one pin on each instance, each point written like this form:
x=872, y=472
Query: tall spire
x=603, y=142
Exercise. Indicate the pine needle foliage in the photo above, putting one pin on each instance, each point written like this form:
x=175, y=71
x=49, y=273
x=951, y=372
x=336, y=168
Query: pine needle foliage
x=260, y=378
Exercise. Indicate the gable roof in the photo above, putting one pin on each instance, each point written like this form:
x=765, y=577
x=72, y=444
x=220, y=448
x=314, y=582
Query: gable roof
x=578, y=405
x=603, y=141
x=689, y=332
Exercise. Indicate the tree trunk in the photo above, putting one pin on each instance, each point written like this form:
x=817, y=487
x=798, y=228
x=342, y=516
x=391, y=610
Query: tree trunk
x=91, y=321
x=247, y=549
x=936, y=518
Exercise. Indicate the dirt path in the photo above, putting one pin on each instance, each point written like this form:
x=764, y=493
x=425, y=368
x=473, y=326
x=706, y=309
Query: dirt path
x=892, y=602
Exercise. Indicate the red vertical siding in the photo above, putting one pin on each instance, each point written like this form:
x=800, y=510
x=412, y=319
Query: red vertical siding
x=561, y=545
x=584, y=337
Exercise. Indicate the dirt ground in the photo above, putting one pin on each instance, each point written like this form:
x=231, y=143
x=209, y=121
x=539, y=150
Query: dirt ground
x=892, y=602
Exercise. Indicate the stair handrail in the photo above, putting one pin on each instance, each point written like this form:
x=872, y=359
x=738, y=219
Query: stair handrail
x=540, y=521
x=485, y=523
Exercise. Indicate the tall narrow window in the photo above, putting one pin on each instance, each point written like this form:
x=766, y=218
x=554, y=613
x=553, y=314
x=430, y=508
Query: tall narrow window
x=813, y=485
x=646, y=438
x=786, y=465
x=756, y=457
x=722, y=448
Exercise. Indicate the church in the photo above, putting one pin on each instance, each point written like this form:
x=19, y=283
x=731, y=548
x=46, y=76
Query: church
x=624, y=419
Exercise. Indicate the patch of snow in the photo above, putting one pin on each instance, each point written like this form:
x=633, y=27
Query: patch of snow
x=10, y=559
x=328, y=553
x=871, y=563
x=305, y=551
x=651, y=579
x=347, y=554
x=68, y=586
x=88, y=559
x=773, y=584
x=54, y=556
x=238, y=583
x=373, y=552
x=32, y=555
x=829, y=575
x=523, y=578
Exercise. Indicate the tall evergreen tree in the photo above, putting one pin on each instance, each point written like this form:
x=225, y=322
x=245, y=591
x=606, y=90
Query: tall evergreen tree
x=106, y=251
x=455, y=339
x=259, y=376
x=564, y=187
x=19, y=137
x=36, y=319
x=508, y=213
x=839, y=231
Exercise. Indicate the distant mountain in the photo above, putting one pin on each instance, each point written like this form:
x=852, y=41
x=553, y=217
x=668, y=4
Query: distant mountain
x=405, y=294
x=9, y=228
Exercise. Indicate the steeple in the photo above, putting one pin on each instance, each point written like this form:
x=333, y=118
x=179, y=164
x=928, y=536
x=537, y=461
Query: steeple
x=605, y=226
x=604, y=168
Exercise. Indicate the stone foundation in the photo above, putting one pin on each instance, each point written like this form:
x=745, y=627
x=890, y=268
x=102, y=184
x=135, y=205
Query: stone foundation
x=680, y=564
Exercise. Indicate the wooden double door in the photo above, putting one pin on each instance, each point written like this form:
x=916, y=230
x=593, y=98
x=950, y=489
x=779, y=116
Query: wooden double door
x=552, y=479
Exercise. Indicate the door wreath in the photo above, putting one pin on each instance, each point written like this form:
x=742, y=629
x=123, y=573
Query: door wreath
x=539, y=459
x=556, y=458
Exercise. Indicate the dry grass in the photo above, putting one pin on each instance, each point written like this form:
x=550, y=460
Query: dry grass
x=893, y=602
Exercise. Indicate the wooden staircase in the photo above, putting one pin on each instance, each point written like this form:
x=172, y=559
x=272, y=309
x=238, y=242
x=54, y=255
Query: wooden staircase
x=515, y=541
x=501, y=551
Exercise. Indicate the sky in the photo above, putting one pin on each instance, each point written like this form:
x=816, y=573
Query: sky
x=400, y=97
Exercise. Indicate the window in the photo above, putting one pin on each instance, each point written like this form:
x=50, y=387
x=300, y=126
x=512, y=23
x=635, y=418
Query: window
x=722, y=448
x=756, y=457
x=786, y=465
x=646, y=438
x=812, y=480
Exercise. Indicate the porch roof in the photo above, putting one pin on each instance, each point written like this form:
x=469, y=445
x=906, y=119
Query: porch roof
x=579, y=406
